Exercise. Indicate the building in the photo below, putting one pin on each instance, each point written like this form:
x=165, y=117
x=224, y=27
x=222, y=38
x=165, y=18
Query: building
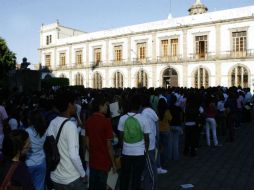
x=201, y=49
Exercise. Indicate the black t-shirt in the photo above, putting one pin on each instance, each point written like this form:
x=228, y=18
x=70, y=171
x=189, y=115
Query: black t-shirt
x=176, y=113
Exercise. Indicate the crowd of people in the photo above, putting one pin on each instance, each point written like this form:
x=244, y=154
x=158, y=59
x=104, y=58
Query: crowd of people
x=136, y=144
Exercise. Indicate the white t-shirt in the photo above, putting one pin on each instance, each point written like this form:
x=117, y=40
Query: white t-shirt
x=151, y=117
x=136, y=149
x=70, y=166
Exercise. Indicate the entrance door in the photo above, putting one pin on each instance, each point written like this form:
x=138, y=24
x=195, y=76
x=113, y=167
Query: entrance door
x=169, y=78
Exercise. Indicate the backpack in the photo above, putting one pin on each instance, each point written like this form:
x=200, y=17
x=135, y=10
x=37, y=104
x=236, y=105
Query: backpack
x=132, y=130
x=51, y=150
x=6, y=185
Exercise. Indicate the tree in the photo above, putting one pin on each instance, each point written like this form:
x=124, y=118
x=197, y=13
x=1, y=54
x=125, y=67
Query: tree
x=7, y=61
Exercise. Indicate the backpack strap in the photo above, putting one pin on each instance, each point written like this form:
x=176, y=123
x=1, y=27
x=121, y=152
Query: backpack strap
x=60, y=130
x=7, y=179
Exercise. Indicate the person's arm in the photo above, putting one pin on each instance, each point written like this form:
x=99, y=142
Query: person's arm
x=147, y=142
x=111, y=155
x=73, y=147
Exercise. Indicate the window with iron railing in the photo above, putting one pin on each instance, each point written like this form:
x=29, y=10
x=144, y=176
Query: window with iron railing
x=78, y=57
x=118, y=80
x=164, y=48
x=239, y=43
x=142, y=79
x=97, y=81
x=78, y=79
x=141, y=52
x=118, y=53
x=97, y=56
x=201, y=78
x=47, y=61
x=174, y=48
x=62, y=58
x=201, y=46
x=239, y=77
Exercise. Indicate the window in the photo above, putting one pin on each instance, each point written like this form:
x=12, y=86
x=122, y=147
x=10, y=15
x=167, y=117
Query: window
x=201, y=46
x=47, y=61
x=97, y=56
x=142, y=79
x=62, y=59
x=201, y=78
x=48, y=39
x=141, y=52
x=79, y=79
x=239, y=77
x=79, y=57
x=118, y=53
x=239, y=43
x=164, y=48
x=174, y=48
x=118, y=80
x=97, y=81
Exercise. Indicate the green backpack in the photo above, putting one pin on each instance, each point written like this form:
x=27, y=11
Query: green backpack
x=132, y=131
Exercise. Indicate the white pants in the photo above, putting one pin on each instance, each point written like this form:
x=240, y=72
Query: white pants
x=211, y=124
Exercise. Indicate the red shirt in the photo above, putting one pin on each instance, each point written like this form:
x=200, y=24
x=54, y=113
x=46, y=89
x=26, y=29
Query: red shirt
x=99, y=130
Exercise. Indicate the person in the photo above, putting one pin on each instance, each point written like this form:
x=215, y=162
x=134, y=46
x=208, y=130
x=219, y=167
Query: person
x=69, y=173
x=133, y=152
x=99, y=135
x=15, y=146
x=150, y=172
x=3, y=119
x=165, y=118
x=36, y=157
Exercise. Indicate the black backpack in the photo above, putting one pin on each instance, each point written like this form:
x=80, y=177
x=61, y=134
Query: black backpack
x=51, y=150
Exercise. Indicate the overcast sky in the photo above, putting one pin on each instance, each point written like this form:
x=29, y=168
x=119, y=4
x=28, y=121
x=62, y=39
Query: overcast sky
x=20, y=20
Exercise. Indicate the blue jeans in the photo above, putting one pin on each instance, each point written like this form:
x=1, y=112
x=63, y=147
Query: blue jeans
x=38, y=174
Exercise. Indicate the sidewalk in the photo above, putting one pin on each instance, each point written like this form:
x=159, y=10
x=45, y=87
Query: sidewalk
x=230, y=167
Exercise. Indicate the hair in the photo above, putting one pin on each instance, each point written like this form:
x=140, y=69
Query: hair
x=14, y=143
x=38, y=122
x=62, y=99
x=98, y=101
x=162, y=107
x=145, y=101
x=134, y=102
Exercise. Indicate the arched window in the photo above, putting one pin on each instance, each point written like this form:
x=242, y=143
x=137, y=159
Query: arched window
x=169, y=78
x=62, y=76
x=97, y=81
x=118, y=80
x=201, y=78
x=78, y=79
x=239, y=77
x=142, y=79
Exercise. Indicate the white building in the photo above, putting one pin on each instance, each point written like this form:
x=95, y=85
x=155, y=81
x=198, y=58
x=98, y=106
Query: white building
x=202, y=49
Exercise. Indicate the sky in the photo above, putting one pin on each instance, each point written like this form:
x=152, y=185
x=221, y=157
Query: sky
x=20, y=20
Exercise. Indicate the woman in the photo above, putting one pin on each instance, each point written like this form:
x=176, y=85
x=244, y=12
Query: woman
x=36, y=157
x=15, y=146
x=164, y=128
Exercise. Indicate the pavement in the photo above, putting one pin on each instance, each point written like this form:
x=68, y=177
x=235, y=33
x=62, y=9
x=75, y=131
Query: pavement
x=229, y=167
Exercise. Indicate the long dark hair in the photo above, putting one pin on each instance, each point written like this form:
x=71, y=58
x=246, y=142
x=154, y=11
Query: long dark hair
x=162, y=107
x=38, y=122
x=14, y=143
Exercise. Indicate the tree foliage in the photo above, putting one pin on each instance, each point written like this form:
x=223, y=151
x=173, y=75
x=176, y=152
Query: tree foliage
x=7, y=60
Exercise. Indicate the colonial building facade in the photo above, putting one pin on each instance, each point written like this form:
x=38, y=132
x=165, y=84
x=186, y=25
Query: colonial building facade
x=201, y=49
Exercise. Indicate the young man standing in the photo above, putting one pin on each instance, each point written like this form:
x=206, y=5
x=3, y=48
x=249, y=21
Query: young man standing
x=69, y=174
x=134, y=137
x=99, y=134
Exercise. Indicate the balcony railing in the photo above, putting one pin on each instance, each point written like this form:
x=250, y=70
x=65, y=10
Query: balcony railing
x=166, y=59
x=210, y=56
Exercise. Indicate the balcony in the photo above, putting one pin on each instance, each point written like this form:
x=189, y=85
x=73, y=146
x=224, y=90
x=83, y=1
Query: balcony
x=202, y=56
x=118, y=62
x=167, y=59
x=237, y=54
x=141, y=61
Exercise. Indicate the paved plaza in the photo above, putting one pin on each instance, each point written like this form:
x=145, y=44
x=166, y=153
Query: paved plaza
x=230, y=167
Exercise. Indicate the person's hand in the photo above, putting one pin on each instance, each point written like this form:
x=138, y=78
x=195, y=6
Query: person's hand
x=114, y=168
x=84, y=179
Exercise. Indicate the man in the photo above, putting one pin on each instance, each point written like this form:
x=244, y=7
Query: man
x=134, y=138
x=99, y=134
x=69, y=173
